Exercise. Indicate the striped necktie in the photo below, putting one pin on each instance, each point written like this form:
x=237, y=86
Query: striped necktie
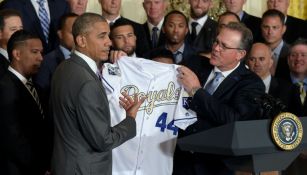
x=43, y=17
x=34, y=94
x=302, y=91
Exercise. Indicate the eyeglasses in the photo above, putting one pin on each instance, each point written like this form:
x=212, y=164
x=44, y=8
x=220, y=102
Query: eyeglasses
x=223, y=46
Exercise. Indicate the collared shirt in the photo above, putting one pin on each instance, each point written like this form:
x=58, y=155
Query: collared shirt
x=150, y=26
x=114, y=20
x=65, y=52
x=36, y=7
x=133, y=55
x=88, y=60
x=18, y=75
x=277, y=51
x=178, y=54
x=267, y=82
x=201, y=22
x=225, y=73
x=296, y=80
x=241, y=15
x=4, y=53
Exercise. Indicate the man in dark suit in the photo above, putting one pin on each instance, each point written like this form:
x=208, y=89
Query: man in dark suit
x=111, y=11
x=297, y=60
x=202, y=28
x=273, y=28
x=296, y=27
x=83, y=137
x=22, y=124
x=155, y=10
x=30, y=18
x=251, y=22
x=228, y=95
x=10, y=22
x=175, y=27
x=43, y=78
x=260, y=61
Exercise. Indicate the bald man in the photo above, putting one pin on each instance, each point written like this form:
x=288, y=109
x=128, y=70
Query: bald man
x=260, y=61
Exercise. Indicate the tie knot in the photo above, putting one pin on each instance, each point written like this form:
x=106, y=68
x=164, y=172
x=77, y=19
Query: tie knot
x=218, y=75
x=155, y=29
x=194, y=24
x=30, y=83
x=41, y=2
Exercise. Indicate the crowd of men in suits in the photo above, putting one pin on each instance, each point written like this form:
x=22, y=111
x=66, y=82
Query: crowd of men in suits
x=229, y=50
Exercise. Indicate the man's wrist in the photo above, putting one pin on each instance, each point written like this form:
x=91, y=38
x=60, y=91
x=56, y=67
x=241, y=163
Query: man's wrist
x=193, y=91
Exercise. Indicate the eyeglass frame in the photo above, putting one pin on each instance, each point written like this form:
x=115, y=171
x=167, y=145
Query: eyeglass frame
x=224, y=47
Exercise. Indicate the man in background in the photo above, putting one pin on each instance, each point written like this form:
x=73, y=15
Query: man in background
x=10, y=22
x=155, y=11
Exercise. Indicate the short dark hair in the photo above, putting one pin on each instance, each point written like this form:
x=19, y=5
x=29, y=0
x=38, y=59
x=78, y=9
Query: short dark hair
x=64, y=18
x=175, y=12
x=121, y=22
x=84, y=22
x=228, y=13
x=161, y=52
x=6, y=13
x=18, y=39
x=246, y=35
x=299, y=41
x=273, y=13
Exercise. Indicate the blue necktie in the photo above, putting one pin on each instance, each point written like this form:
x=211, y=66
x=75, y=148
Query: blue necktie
x=154, y=38
x=43, y=17
x=213, y=84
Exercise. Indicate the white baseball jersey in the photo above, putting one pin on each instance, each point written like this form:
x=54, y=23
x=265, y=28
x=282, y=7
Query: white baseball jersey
x=151, y=151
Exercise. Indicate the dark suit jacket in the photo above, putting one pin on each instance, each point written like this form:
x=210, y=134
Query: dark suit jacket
x=142, y=45
x=205, y=38
x=161, y=41
x=4, y=64
x=281, y=89
x=282, y=68
x=253, y=23
x=296, y=105
x=232, y=101
x=83, y=137
x=31, y=21
x=22, y=130
x=295, y=28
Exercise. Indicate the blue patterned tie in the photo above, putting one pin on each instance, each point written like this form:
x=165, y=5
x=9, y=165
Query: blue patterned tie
x=43, y=17
x=213, y=84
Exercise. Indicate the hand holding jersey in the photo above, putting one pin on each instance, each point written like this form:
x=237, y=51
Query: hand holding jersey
x=130, y=105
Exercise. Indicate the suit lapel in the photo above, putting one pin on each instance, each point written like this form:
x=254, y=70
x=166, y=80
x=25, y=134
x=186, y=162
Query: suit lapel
x=273, y=85
x=229, y=81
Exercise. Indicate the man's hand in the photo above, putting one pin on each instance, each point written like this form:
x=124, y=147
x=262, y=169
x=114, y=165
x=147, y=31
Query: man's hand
x=115, y=55
x=130, y=105
x=188, y=79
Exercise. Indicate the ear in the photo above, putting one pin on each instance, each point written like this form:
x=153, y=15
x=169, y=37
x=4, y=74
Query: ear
x=241, y=54
x=284, y=29
x=59, y=32
x=81, y=41
x=16, y=54
x=271, y=62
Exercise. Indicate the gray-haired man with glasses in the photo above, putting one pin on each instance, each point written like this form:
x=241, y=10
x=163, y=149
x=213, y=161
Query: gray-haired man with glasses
x=224, y=93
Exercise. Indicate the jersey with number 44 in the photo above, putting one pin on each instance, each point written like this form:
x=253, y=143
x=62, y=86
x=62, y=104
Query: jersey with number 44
x=164, y=110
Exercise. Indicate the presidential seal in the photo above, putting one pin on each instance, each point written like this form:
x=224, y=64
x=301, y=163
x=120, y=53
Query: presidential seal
x=287, y=131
